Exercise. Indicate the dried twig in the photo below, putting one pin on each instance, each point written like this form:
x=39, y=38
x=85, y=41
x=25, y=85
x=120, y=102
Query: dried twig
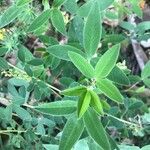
x=137, y=49
x=139, y=54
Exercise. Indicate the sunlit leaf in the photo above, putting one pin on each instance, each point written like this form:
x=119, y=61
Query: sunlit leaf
x=83, y=103
x=96, y=103
x=75, y=91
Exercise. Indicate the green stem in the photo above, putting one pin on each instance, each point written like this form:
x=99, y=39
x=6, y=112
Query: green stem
x=29, y=106
x=124, y=121
x=11, y=131
x=133, y=86
x=54, y=89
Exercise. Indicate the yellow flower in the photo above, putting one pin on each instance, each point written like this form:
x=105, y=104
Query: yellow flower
x=2, y=32
x=142, y=4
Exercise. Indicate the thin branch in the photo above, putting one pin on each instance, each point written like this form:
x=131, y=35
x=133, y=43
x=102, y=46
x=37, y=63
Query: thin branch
x=124, y=121
x=11, y=131
x=131, y=87
x=54, y=89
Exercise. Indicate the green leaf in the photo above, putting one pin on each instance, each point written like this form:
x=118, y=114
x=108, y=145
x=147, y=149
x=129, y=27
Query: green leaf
x=146, y=71
x=61, y=51
x=28, y=55
x=58, y=20
x=95, y=129
x=96, y=103
x=107, y=62
x=137, y=10
x=83, y=103
x=118, y=76
x=104, y=4
x=3, y=64
x=105, y=105
x=127, y=25
x=21, y=55
x=110, y=90
x=71, y=133
x=84, y=9
x=8, y=113
x=22, y=113
x=126, y=147
x=78, y=24
x=48, y=40
x=71, y=6
x=51, y=61
x=58, y=3
x=112, y=143
x=147, y=147
x=23, y=2
x=82, y=144
x=92, y=31
x=50, y=146
x=36, y=62
x=75, y=91
x=143, y=26
x=58, y=108
x=10, y=15
x=39, y=21
x=113, y=38
x=28, y=70
x=18, y=82
x=3, y=51
x=82, y=64
x=146, y=74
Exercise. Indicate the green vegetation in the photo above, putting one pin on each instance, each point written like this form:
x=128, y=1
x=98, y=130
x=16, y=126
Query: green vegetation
x=65, y=79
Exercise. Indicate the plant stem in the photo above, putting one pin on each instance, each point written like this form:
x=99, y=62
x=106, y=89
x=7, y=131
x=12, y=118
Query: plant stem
x=54, y=89
x=124, y=121
x=29, y=106
x=132, y=86
x=11, y=131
